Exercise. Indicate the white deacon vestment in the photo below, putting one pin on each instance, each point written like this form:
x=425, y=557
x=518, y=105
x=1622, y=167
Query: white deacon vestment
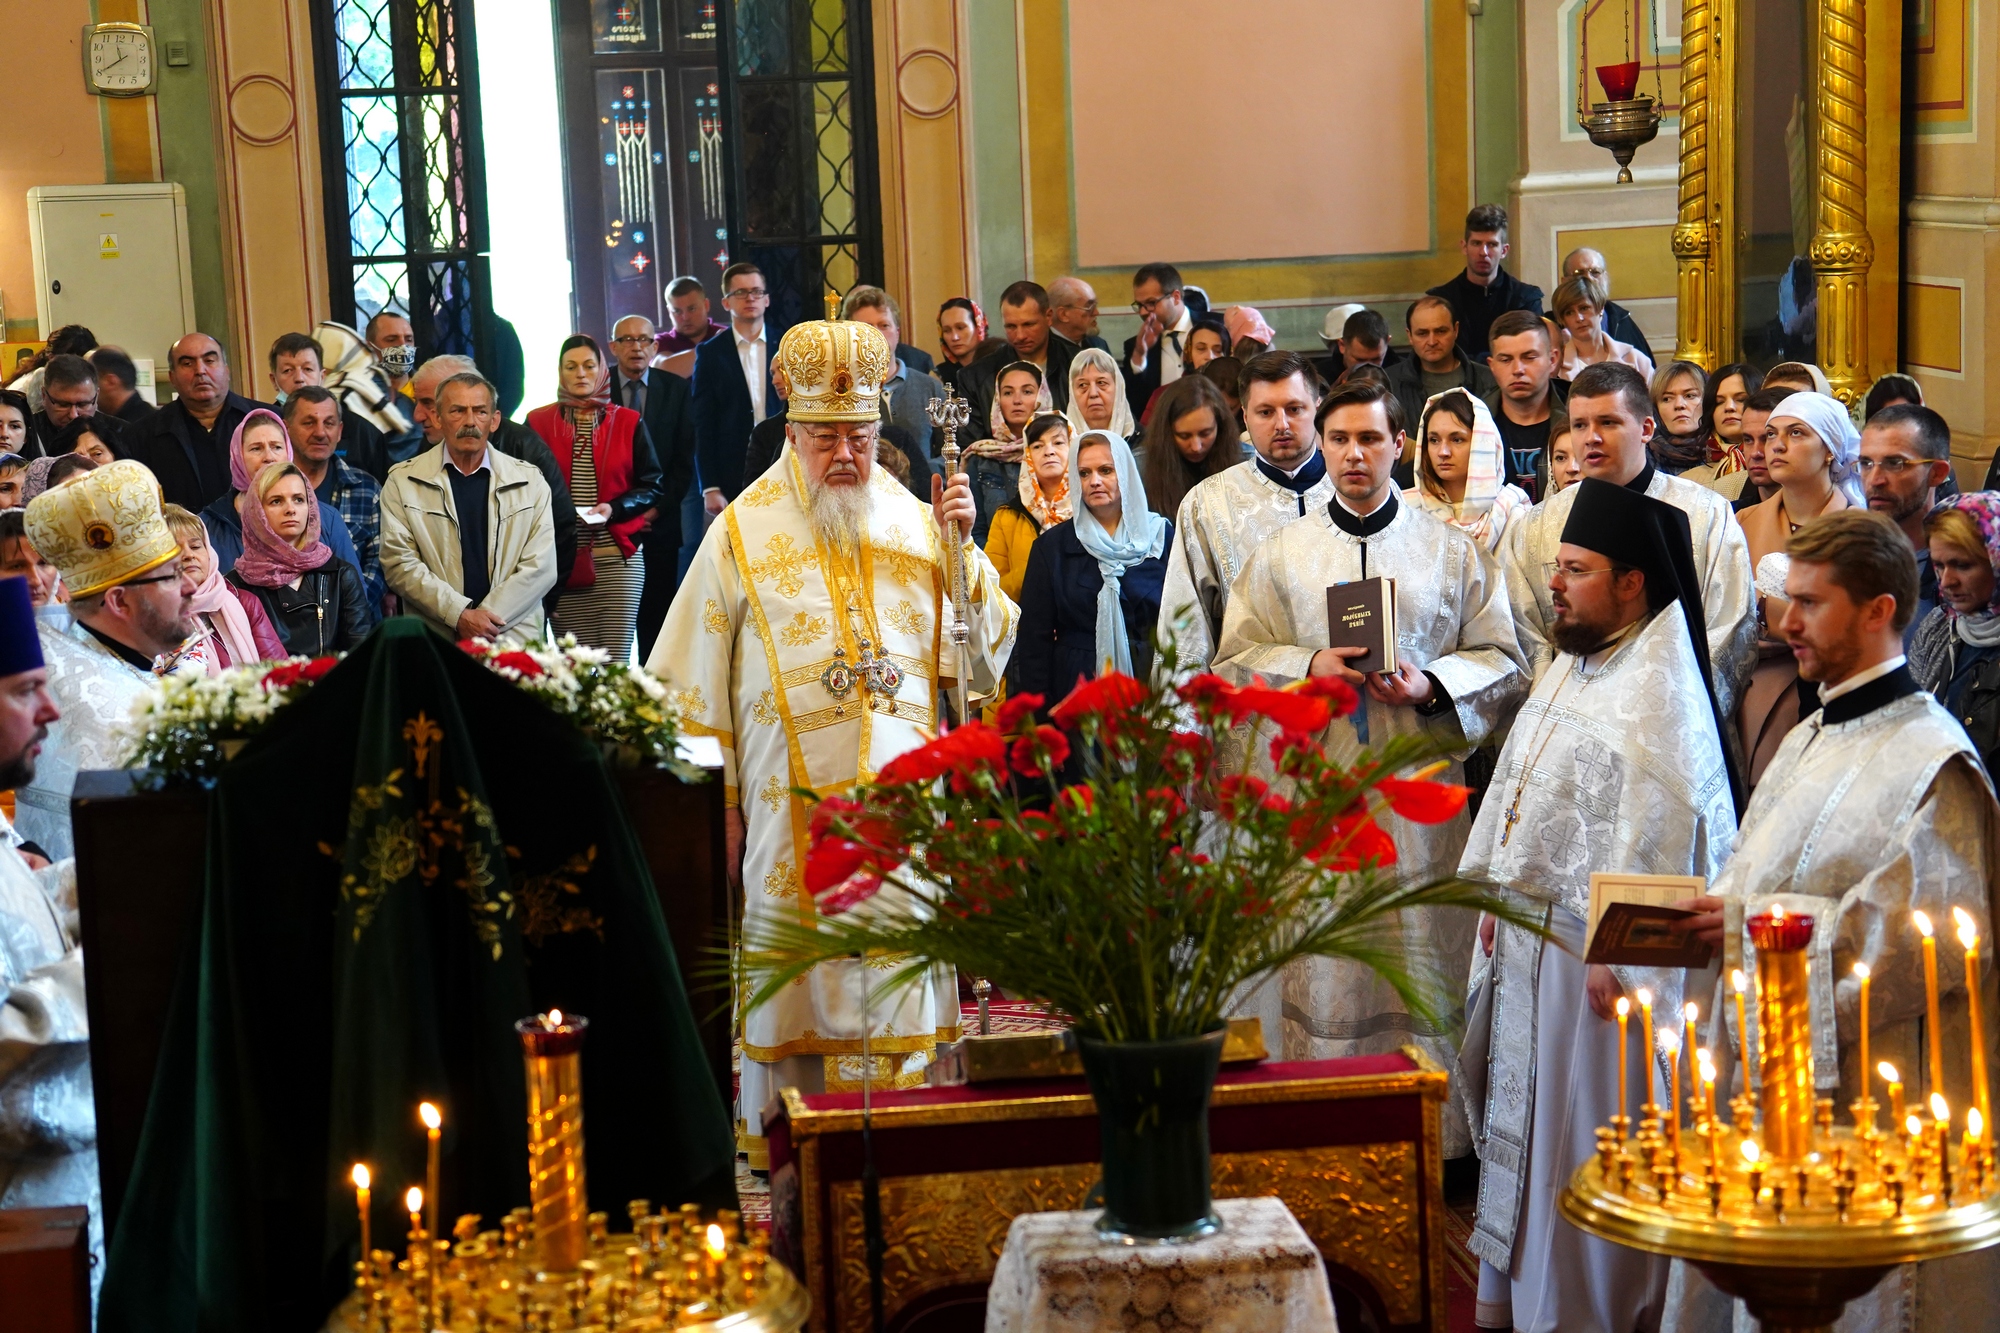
x=1857, y=823
x=96, y=690
x=1453, y=621
x=744, y=652
x=1613, y=765
x=1221, y=523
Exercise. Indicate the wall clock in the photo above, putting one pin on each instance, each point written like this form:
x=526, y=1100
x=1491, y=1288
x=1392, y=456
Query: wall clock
x=119, y=60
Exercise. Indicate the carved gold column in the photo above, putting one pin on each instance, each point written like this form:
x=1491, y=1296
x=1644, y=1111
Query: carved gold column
x=1703, y=242
x=1842, y=249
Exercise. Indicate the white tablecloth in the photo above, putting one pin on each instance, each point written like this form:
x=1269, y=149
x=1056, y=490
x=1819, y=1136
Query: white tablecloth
x=1261, y=1274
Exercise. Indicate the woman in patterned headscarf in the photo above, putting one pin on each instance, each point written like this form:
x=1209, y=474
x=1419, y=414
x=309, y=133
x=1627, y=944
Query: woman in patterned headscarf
x=1956, y=652
x=1043, y=501
x=1458, y=469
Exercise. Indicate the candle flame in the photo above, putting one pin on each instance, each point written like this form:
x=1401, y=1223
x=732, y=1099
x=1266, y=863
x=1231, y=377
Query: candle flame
x=1975, y=1123
x=428, y=1113
x=555, y=1018
x=1777, y=911
x=1690, y=1011
x=1670, y=1041
x=1737, y=980
x=1940, y=1112
x=1624, y=1006
x=1751, y=1152
x=1645, y=998
x=1861, y=971
x=718, y=1245
x=1888, y=1072
x=1706, y=1062
x=1923, y=924
x=1913, y=1125
x=414, y=1200
x=359, y=1175
x=1968, y=933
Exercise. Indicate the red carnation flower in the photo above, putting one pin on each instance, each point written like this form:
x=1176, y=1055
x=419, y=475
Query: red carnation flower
x=1025, y=756
x=1017, y=709
x=521, y=662
x=1337, y=692
x=1355, y=840
x=1207, y=690
x=852, y=892
x=1423, y=802
x=1187, y=752
x=1168, y=800
x=1079, y=798
x=476, y=647
x=1237, y=795
x=317, y=668
x=1110, y=694
x=958, y=751
x=1290, y=709
x=283, y=676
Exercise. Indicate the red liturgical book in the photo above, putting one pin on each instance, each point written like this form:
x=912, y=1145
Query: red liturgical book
x=1363, y=615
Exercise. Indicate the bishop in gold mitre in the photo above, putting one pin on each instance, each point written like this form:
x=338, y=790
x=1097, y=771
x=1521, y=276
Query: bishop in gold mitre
x=809, y=638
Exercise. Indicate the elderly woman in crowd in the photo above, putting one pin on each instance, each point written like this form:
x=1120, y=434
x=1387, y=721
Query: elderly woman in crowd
x=1578, y=304
x=1811, y=453
x=1680, y=432
x=260, y=441
x=98, y=438
x=993, y=464
x=1097, y=395
x=1043, y=501
x=961, y=328
x=1091, y=598
x=231, y=626
x=313, y=597
x=607, y=458
x=1193, y=436
x=1458, y=476
x=1956, y=652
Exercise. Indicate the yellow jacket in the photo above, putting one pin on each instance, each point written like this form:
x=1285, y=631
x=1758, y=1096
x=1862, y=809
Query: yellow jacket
x=1008, y=540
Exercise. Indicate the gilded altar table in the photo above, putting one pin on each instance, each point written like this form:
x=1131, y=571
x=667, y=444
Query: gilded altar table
x=1351, y=1146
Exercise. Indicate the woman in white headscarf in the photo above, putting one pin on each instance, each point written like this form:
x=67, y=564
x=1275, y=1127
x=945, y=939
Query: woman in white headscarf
x=1091, y=598
x=1097, y=396
x=1812, y=453
x=1458, y=469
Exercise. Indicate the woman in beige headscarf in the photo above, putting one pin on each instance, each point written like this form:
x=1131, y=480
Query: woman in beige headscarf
x=1458, y=469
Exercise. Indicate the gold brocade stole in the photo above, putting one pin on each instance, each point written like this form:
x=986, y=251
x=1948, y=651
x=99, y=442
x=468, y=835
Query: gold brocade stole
x=806, y=600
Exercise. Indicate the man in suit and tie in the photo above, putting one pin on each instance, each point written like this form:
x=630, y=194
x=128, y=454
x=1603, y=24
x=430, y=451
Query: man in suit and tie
x=1167, y=314
x=732, y=386
x=662, y=401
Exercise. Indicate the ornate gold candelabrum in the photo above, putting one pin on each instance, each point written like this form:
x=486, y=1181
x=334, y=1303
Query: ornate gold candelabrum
x=1783, y=1209
x=553, y=1265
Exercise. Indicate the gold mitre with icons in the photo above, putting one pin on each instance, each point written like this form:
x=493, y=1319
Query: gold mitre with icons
x=835, y=368
x=102, y=528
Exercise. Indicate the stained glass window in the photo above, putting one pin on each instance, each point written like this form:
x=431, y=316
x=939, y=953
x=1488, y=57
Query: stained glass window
x=407, y=233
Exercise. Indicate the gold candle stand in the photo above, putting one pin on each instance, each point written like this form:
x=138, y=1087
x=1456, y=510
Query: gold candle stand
x=552, y=1050
x=1795, y=1216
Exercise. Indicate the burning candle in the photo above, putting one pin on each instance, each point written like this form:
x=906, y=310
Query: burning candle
x=1704, y=1063
x=552, y=1052
x=1624, y=1007
x=1968, y=936
x=1753, y=1159
x=1941, y=1122
x=1931, y=998
x=433, y=1124
x=1895, y=1082
x=1739, y=983
x=1861, y=974
x=1670, y=1046
x=414, y=1201
x=361, y=1180
x=1707, y=1067
x=1646, y=1030
x=1973, y=1153
x=716, y=1243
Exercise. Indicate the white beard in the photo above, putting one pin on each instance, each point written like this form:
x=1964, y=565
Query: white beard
x=838, y=514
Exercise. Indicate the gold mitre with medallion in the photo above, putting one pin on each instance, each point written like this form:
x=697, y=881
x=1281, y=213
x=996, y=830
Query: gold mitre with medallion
x=835, y=369
x=102, y=528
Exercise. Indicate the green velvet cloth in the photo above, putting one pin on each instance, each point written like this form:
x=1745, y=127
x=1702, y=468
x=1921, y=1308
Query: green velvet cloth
x=409, y=859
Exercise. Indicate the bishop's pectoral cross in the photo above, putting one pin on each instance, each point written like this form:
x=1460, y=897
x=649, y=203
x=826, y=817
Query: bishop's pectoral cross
x=1513, y=818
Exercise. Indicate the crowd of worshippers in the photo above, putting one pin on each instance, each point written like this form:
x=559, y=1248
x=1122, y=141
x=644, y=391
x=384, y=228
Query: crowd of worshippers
x=1772, y=592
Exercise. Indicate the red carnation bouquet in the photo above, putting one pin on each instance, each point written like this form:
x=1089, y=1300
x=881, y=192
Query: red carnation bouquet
x=1137, y=901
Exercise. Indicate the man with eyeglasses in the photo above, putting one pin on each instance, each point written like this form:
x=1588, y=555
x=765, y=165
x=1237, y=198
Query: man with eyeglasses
x=129, y=604
x=69, y=391
x=1905, y=458
x=732, y=386
x=1611, y=418
x=1167, y=313
x=811, y=642
x=663, y=402
x=1617, y=763
x=1073, y=312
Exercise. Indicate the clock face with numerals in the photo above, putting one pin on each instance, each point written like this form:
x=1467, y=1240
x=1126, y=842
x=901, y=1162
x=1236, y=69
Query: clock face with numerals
x=118, y=60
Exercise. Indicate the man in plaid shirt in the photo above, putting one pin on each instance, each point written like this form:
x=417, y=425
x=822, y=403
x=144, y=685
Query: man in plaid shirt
x=312, y=416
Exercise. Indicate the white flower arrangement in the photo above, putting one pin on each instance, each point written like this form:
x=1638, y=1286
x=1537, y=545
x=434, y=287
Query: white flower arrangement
x=189, y=723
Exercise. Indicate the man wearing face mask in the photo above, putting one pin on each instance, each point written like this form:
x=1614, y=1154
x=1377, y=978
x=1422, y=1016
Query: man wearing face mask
x=129, y=604
x=394, y=339
x=1458, y=677
x=1226, y=517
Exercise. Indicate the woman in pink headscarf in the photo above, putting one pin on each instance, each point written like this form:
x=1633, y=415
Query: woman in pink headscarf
x=261, y=440
x=1244, y=321
x=234, y=628
x=313, y=597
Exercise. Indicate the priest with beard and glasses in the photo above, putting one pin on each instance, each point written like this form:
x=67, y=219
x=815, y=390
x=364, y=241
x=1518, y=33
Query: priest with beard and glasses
x=1458, y=675
x=1611, y=418
x=1616, y=763
x=1227, y=516
x=1875, y=807
x=809, y=639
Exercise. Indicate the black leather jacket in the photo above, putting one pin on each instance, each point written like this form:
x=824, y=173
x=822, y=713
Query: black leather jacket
x=327, y=613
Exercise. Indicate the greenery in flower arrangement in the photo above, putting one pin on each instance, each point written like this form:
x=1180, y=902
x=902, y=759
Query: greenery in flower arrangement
x=189, y=724
x=1116, y=900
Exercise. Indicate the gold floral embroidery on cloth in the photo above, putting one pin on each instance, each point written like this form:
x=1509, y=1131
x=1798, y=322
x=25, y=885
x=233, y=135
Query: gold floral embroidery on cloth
x=906, y=564
x=785, y=563
x=804, y=629
x=691, y=701
x=713, y=618
x=764, y=709
x=544, y=909
x=907, y=619
x=783, y=881
x=767, y=491
x=774, y=794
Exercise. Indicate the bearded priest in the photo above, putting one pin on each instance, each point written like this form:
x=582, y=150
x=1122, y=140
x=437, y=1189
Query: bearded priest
x=808, y=638
x=1616, y=763
x=1459, y=674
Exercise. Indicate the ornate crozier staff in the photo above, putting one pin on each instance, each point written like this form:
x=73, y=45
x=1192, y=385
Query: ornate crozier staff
x=949, y=413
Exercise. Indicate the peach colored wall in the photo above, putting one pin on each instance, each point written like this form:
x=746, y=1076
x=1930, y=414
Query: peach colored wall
x=1289, y=190
x=50, y=135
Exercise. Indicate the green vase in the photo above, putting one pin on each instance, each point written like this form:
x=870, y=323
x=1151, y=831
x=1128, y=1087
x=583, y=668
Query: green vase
x=1152, y=1114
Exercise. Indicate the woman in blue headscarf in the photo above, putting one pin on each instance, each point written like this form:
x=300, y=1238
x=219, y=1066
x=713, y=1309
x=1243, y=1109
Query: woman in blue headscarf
x=1091, y=596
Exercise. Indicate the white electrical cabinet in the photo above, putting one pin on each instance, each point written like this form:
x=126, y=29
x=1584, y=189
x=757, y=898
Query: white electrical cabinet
x=113, y=258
